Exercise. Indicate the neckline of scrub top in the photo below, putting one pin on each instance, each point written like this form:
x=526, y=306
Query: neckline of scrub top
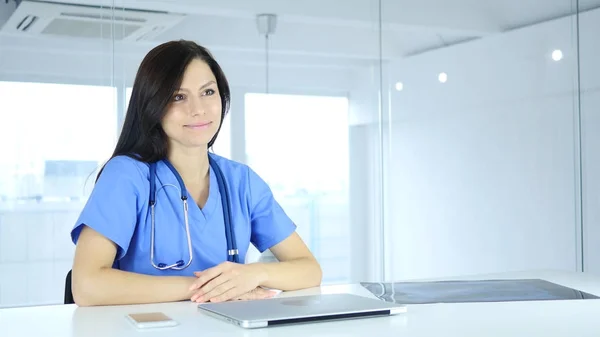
x=213, y=193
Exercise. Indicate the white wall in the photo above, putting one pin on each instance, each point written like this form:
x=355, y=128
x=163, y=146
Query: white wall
x=485, y=166
x=489, y=193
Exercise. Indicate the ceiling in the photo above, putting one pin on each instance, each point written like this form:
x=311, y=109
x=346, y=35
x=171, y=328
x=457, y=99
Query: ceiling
x=337, y=32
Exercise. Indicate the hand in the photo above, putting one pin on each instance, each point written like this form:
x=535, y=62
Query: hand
x=256, y=294
x=226, y=281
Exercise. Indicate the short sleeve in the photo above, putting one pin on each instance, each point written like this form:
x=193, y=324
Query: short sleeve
x=270, y=224
x=112, y=207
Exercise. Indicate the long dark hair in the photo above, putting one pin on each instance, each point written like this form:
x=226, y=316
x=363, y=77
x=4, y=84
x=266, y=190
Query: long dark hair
x=157, y=78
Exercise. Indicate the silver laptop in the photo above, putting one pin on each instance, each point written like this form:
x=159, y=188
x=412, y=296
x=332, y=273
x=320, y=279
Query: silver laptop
x=304, y=309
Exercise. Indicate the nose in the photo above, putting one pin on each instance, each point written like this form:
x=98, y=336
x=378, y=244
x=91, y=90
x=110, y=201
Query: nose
x=196, y=106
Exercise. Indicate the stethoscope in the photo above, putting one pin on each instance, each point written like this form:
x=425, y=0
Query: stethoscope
x=232, y=251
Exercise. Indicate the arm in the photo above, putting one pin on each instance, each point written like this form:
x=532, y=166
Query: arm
x=271, y=229
x=103, y=233
x=297, y=267
x=95, y=282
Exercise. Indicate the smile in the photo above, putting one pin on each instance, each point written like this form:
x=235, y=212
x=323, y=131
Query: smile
x=198, y=125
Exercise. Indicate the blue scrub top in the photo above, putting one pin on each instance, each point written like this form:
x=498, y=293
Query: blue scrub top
x=118, y=208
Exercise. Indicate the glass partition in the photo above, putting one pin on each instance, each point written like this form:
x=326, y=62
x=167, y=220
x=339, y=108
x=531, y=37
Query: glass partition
x=589, y=95
x=58, y=124
x=483, y=161
x=304, y=92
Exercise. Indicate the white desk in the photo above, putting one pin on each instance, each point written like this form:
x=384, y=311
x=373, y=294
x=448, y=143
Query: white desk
x=544, y=318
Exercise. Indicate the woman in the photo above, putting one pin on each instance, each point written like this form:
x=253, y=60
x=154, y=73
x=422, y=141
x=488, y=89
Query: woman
x=132, y=242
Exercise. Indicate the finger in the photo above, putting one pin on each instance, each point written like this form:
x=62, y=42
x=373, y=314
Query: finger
x=205, y=276
x=215, y=283
x=263, y=293
x=260, y=293
x=208, y=287
x=257, y=294
x=224, y=266
x=210, y=273
x=227, y=295
x=218, y=291
x=246, y=296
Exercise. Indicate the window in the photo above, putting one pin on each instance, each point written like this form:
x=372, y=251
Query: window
x=49, y=127
x=54, y=138
x=222, y=145
x=299, y=145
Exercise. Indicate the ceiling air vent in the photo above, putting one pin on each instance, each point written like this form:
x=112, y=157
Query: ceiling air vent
x=45, y=18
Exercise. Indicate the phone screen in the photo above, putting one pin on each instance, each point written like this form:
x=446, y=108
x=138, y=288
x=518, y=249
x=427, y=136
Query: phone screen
x=151, y=320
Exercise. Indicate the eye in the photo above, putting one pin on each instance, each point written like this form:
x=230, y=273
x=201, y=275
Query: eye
x=178, y=97
x=209, y=92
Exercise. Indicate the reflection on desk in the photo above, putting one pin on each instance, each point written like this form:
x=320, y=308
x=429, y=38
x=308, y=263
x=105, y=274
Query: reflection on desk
x=473, y=291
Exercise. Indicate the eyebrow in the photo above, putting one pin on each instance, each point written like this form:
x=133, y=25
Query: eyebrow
x=202, y=87
x=207, y=84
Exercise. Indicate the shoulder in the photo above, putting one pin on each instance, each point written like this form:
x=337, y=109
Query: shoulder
x=231, y=168
x=240, y=174
x=124, y=168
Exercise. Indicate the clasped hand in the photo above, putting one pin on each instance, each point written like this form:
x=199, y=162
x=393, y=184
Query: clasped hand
x=229, y=281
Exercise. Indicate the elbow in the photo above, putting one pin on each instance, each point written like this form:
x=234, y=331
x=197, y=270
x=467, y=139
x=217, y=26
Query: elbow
x=83, y=290
x=82, y=300
x=317, y=274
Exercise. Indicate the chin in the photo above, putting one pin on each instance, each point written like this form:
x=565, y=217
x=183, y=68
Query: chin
x=199, y=143
x=194, y=141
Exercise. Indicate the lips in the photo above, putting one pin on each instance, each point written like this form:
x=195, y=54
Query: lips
x=198, y=125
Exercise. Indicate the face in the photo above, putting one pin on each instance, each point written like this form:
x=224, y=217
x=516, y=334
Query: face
x=194, y=114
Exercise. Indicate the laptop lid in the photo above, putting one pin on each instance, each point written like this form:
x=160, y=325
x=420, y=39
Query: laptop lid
x=304, y=309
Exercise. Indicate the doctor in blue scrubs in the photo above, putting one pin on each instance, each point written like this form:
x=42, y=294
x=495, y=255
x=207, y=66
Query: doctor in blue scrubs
x=167, y=220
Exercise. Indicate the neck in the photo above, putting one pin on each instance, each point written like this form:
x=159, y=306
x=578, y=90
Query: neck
x=192, y=164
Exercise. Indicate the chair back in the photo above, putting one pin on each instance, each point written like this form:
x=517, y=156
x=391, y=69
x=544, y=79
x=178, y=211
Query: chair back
x=68, y=292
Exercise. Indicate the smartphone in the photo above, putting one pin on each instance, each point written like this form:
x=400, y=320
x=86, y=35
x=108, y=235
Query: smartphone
x=151, y=320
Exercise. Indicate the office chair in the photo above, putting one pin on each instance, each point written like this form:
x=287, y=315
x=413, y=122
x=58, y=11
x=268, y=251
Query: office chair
x=68, y=292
